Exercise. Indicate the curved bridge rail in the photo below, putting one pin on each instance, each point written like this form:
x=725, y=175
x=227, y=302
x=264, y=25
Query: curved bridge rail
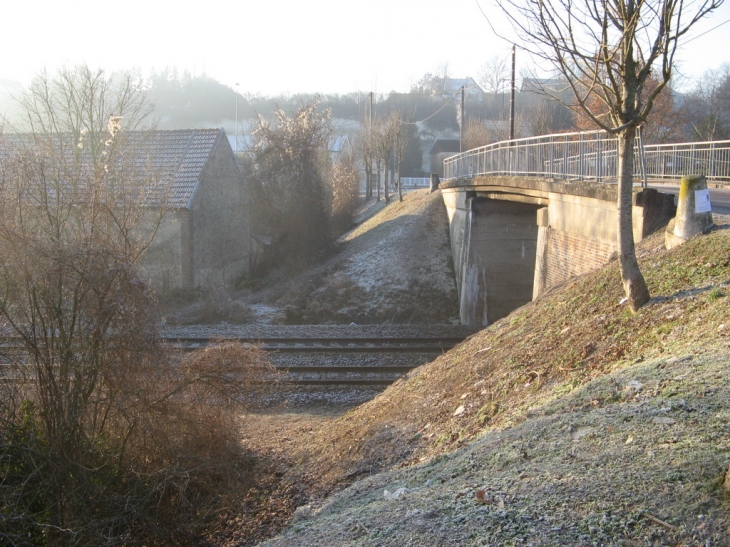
x=711, y=159
x=589, y=156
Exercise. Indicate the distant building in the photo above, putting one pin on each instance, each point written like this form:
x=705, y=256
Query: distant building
x=339, y=147
x=442, y=149
x=472, y=90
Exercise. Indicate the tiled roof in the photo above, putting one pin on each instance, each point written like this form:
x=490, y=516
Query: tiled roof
x=177, y=157
x=160, y=161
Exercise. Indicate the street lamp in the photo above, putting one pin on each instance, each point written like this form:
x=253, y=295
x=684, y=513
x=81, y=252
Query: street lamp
x=512, y=99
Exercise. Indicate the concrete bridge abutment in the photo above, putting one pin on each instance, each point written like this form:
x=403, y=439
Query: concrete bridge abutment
x=513, y=238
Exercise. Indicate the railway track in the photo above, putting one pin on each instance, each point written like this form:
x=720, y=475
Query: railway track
x=328, y=361
x=340, y=361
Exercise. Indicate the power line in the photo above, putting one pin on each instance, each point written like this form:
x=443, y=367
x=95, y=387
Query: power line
x=706, y=32
x=403, y=122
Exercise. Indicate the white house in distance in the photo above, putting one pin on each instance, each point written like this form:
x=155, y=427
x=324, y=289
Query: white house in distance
x=472, y=90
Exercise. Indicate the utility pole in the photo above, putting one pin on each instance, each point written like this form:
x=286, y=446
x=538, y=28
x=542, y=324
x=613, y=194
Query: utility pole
x=512, y=99
x=235, y=129
x=461, y=122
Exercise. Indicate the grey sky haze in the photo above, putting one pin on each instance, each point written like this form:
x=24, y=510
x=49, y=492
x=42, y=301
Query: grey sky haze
x=276, y=47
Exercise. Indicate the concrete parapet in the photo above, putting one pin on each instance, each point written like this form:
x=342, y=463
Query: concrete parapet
x=694, y=215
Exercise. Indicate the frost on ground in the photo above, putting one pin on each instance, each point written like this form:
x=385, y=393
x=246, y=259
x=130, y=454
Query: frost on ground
x=570, y=422
x=395, y=267
x=643, y=470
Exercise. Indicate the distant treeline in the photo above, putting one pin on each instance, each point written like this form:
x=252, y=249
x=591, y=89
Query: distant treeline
x=183, y=101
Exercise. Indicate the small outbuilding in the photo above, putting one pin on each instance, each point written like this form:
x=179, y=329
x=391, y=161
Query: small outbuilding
x=442, y=149
x=206, y=236
x=189, y=178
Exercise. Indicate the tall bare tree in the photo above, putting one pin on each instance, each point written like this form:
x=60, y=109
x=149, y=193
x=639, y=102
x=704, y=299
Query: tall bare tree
x=382, y=136
x=401, y=139
x=344, y=184
x=707, y=107
x=608, y=49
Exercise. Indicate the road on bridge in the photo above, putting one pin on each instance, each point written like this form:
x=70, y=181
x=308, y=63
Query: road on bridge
x=719, y=197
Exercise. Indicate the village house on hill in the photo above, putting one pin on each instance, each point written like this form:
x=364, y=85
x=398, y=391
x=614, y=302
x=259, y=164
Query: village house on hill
x=472, y=90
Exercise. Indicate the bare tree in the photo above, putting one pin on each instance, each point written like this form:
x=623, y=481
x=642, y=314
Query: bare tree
x=363, y=146
x=608, y=49
x=477, y=132
x=494, y=75
x=541, y=119
x=400, y=143
x=95, y=427
x=344, y=182
x=707, y=106
x=662, y=126
x=382, y=136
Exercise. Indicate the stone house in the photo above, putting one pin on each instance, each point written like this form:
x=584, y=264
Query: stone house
x=205, y=238
x=193, y=190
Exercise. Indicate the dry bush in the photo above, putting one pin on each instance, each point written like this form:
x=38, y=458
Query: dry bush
x=289, y=186
x=345, y=191
x=166, y=460
x=188, y=441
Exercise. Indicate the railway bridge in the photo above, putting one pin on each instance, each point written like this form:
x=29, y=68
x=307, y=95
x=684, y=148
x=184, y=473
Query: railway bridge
x=529, y=214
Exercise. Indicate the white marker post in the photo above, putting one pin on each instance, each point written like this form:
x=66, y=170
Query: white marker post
x=694, y=211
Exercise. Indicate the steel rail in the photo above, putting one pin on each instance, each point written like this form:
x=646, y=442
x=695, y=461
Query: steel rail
x=329, y=344
x=298, y=374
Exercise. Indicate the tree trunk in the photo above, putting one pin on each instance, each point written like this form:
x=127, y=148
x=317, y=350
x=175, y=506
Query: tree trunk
x=368, y=181
x=386, y=182
x=635, y=287
x=377, y=182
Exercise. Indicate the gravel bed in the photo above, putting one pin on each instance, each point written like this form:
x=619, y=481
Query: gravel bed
x=307, y=397
x=350, y=359
x=295, y=397
x=254, y=331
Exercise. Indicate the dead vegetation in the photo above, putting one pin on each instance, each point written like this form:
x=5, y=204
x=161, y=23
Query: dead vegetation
x=106, y=436
x=576, y=334
x=572, y=385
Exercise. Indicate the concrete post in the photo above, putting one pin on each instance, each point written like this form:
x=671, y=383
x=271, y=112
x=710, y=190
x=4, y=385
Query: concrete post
x=693, y=211
x=434, y=182
x=543, y=225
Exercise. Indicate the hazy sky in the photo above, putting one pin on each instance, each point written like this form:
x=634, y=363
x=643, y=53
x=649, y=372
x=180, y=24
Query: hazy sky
x=278, y=46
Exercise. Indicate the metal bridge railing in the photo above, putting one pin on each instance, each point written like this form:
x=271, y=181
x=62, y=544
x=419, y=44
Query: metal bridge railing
x=578, y=156
x=673, y=161
x=590, y=156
